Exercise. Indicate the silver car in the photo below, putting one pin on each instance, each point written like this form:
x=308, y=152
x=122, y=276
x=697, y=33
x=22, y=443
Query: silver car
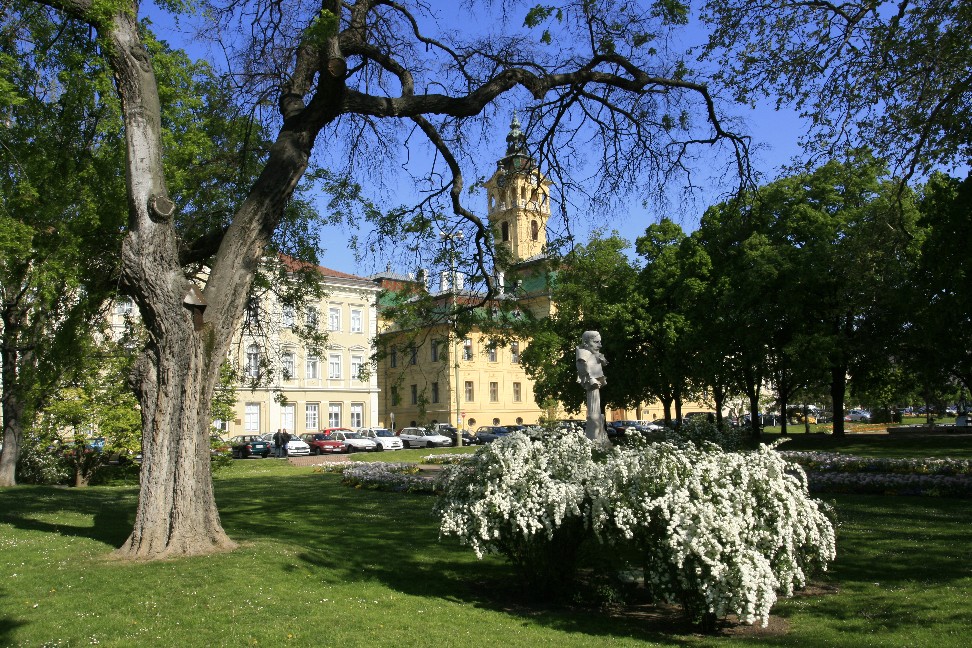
x=385, y=439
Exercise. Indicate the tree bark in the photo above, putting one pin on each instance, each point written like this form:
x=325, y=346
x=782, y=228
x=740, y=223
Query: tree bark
x=838, y=387
x=13, y=411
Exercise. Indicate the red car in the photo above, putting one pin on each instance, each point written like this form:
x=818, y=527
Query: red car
x=321, y=443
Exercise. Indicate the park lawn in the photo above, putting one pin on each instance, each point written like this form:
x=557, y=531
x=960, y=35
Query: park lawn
x=322, y=564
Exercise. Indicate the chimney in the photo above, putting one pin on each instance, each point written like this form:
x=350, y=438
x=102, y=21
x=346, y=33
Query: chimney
x=443, y=281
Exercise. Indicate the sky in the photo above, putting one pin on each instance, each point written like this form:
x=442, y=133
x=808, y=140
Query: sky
x=775, y=136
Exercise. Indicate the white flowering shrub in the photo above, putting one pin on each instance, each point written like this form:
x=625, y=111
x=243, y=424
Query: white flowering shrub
x=525, y=500
x=718, y=532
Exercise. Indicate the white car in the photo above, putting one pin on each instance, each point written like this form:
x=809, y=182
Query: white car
x=413, y=437
x=296, y=447
x=354, y=441
x=385, y=439
x=858, y=415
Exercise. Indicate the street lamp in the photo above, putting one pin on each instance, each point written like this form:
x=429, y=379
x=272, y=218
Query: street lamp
x=453, y=333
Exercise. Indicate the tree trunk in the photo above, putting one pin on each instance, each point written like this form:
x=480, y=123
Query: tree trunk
x=177, y=371
x=14, y=406
x=838, y=386
x=12, y=433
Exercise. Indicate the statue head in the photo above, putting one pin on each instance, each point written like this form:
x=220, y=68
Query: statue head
x=591, y=340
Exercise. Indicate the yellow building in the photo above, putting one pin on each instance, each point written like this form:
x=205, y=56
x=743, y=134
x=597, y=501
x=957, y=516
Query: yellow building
x=431, y=376
x=299, y=390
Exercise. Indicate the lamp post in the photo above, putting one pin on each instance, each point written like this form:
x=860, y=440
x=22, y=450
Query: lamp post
x=453, y=334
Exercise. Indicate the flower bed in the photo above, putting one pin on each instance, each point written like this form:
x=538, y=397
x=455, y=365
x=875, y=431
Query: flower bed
x=381, y=475
x=835, y=473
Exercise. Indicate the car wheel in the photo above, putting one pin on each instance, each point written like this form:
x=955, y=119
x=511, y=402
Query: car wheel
x=405, y=445
x=379, y=447
x=317, y=451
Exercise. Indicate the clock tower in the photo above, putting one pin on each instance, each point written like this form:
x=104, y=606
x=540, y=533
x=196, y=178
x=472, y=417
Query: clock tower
x=518, y=198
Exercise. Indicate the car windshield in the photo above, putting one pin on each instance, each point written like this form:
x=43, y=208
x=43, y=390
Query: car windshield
x=384, y=433
x=352, y=435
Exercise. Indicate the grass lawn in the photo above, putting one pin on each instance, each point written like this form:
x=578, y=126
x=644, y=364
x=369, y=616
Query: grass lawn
x=320, y=564
x=958, y=446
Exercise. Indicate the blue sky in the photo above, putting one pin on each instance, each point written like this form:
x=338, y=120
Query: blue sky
x=775, y=140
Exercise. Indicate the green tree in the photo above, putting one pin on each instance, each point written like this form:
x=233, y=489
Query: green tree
x=96, y=404
x=939, y=343
x=62, y=214
x=890, y=75
x=347, y=70
x=594, y=288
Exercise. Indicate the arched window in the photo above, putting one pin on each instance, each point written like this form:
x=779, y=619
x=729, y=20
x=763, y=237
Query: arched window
x=505, y=231
x=534, y=230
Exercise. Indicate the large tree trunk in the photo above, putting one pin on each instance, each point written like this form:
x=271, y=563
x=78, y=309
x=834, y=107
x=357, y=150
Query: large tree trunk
x=838, y=387
x=12, y=433
x=177, y=371
x=14, y=406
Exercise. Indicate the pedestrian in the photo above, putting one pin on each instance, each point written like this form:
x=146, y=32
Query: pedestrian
x=285, y=437
x=278, y=445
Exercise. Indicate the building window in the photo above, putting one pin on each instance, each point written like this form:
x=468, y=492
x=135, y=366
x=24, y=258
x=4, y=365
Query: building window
x=334, y=415
x=253, y=361
x=467, y=349
x=517, y=393
x=414, y=389
x=515, y=352
x=356, y=326
x=436, y=354
x=334, y=366
x=311, y=368
x=534, y=230
x=251, y=422
x=491, y=352
x=357, y=415
x=393, y=357
x=312, y=416
x=123, y=307
x=412, y=355
x=287, y=366
x=435, y=392
x=356, y=363
x=310, y=318
x=395, y=397
x=334, y=319
x=493, y=392
x=469, y=391
x=287, y=316
x=505, y=231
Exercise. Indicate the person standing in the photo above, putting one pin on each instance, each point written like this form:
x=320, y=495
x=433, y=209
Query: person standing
x=278, y=446
x=285, y=437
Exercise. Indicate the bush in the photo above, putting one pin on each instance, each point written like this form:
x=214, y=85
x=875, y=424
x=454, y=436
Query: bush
x=717, y=532
x=42, y=461
x=699, y=431
x=525, y=500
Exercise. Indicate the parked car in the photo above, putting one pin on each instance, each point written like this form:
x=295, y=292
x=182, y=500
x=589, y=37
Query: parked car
x=296, y=447
x=249, y=445
x=385, y=438
x=353, y=440
x=449, y=431
x=489, y=433
x=414, y=437
x=321, y=443
x=858, y=415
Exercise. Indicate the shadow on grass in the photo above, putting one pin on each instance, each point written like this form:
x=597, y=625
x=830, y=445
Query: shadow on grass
x=40, y=508
x=7, y=625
